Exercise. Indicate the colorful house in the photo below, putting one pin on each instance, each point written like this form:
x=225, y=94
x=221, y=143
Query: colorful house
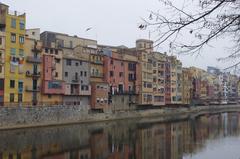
x=144, y=49
x=53, y=86
x=159, y=61
x=76, y=74
x=13, y=25
x=2, y=59
x=32, y=69
x=120, y=72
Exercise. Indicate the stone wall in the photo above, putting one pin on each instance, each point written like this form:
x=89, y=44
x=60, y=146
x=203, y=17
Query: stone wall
x=21, y=117
x=27, y=116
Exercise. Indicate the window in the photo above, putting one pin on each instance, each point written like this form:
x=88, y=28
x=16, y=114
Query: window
x=81, y=73
x=49, y=96
x=57, y=60
x=80, y=62
x=85, y=74
x=20, y=97
x=13, y=51
x=51, y=51
x=22, y=26
x=66, y=74
x=111, y=73
x=21, y=39
x=69, y=62
x=76, y=63
x=13, y=23
x=13, y=38
x=46, y=50
x=11, y=97
x=121, y=63
x=111, y=61
x=56, y=74
x=120, y=74
x=56, y=52
x=12, y=83
x=1, y=84
x=21, y=52
x=1, y=41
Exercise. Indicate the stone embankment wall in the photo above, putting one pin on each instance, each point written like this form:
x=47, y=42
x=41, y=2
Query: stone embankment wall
x=22, y=117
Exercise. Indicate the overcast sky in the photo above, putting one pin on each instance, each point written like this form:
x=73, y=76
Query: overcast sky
x=113, y=22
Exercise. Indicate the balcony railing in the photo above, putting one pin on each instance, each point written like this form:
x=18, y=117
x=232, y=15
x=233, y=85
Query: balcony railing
x=125, y=93
x=33, y=74
x=98, y=62
x=75, y=79
x=85, y=92
x=94, y=74
x=32, y=59
x=31, y=89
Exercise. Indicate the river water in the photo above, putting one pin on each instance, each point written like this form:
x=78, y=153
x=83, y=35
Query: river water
x=206, y=137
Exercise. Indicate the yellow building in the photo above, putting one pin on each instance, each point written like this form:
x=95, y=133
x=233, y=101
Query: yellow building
x=96, y=65
x=13, y=24
x=2, y=53
x=159, y=61
x=145, y=48
x=33, y=67
x=176, y=80
x=186, y=86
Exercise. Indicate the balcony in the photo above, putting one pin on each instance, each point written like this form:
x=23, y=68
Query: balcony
x=32, y=59
x=75, y=79
x=74, y=92
x=98, y=62
x=132, y=79
x=31, y=89
x=33, y=74
x=126, y=93
x=54, y=87
x=95, y=74
x=85, y=92
x=37, y=47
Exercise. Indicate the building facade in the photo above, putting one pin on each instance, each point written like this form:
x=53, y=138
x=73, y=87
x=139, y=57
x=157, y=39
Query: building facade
x=13, y=25
x=120, y=72
x=53, y=86
x=144, y=49
x=33, y=68
x=176, y=80
x=159, y=61
x=60, y=40
x=2, y=61
x=186, y=87
x=76, y=74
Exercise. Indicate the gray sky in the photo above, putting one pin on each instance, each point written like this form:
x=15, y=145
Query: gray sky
x=113, y=22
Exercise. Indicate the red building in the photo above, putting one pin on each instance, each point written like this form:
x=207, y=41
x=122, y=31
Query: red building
x=121, y=72
x=53, y=87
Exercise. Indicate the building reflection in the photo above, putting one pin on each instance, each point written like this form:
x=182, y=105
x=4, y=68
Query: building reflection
x=120, y=140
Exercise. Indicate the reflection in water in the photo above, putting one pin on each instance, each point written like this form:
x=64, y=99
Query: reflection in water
x=131, y=139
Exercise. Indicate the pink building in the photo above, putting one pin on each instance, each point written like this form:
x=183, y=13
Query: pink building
x=52, y=83
x=121, y=73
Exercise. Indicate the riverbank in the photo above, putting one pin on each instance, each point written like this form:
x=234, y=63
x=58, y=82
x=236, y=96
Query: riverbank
x=21, y=117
